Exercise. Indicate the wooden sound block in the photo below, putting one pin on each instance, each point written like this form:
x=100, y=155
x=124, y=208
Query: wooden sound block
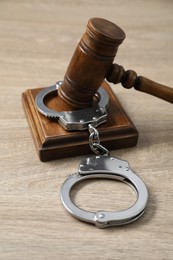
x=54, y=142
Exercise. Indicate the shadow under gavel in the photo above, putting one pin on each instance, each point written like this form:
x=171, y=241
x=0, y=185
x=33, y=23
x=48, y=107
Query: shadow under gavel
x=92, y=63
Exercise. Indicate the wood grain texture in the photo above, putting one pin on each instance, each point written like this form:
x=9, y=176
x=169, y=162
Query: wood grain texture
x=90, y=62
x=52, y=141
x=37, y=39
x=129, y=79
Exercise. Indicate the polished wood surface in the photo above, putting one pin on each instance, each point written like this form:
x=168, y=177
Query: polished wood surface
x=52, y=141
x=37, y=40
x=129, y=79
x=90, y=62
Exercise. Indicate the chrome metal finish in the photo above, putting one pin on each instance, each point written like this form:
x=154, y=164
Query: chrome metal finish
x=78, y=119
x=111, y=168
x=100, y=166
x=94, y=141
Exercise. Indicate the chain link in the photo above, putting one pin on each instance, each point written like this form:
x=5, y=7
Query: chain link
x=94, y=141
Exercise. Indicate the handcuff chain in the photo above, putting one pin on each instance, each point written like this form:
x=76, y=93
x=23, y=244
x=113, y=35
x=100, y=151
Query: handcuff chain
x=94, y=141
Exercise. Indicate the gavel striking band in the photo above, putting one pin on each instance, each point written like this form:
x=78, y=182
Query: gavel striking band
x=92, y=63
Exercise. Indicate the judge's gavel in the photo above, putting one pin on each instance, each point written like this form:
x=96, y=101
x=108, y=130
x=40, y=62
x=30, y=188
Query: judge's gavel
x=92, y=62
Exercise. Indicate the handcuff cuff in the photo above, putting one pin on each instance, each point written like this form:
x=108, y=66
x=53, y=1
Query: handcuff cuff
x=102, y=165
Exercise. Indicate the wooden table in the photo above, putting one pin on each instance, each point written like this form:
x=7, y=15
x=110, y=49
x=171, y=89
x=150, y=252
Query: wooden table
x=37, y=39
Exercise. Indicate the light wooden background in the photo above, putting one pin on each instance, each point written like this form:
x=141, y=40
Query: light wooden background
x=37, y=39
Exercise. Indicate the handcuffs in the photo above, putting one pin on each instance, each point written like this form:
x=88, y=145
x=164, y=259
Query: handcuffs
x=102, y=165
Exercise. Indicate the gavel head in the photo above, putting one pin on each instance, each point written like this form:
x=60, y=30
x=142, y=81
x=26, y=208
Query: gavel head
x=90, y=62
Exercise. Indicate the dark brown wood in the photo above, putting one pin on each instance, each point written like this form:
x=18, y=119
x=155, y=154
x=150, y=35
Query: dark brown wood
x=90, y=62
x=53, y=142
x=129, y=79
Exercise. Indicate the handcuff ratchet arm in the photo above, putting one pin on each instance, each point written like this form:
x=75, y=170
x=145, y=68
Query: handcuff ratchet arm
x=111, y=168
x=77, y=119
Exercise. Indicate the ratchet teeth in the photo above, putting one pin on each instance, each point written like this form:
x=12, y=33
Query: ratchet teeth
x=73, y=120
x=51, y=116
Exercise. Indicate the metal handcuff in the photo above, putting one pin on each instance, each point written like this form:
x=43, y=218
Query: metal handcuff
x=102, y=165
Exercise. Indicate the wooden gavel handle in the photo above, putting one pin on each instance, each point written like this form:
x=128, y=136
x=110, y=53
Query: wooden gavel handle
x=129, y=79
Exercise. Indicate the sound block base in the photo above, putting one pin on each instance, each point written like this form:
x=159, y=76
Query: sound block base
x=54, y=142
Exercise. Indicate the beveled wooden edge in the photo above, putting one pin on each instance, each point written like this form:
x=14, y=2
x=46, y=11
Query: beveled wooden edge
x=29, y=110
x=75, y=143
